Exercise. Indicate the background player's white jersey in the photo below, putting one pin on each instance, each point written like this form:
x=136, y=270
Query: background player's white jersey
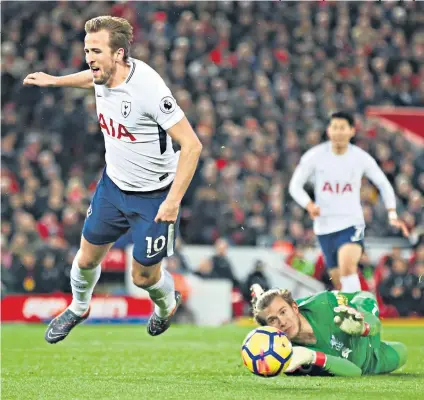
x=337, y=183
x=134, y=117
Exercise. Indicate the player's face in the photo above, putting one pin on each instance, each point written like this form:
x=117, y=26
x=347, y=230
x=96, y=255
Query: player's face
x=99, y=56
x=340, y=132
x=281, y=315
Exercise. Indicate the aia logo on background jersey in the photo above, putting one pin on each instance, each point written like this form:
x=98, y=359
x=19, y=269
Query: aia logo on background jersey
x=126, y=108
x=167, y=105
x=337, y=187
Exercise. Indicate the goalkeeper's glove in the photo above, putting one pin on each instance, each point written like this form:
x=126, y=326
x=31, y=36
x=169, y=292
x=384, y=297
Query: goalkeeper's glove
x=351, y=321
x=304, y=356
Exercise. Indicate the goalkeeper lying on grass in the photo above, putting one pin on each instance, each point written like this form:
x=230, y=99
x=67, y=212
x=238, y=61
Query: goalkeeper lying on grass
x=333, y=333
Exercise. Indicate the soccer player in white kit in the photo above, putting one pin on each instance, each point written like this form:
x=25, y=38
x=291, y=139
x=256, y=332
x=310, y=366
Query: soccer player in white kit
x=144, y=180
x=336, y=168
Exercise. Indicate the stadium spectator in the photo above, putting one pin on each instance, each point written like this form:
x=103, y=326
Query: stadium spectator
x=298, y=261
x=418, y=289
x=397, y=288
x=27, y=274
x=256, y=276
x=205, y=269
x=51, y=272
x=221, y=265
x=181, y=260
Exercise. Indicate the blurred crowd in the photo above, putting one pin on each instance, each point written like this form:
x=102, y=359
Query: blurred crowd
x=400, y=281
x=257, y=80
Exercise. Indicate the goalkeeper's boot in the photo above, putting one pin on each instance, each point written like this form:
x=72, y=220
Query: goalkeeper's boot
x=157, y=325
x=61, y=326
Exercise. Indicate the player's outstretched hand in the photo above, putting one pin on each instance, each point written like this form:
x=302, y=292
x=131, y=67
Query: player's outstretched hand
x=168, y=212
x=313, y=210
x=40, y=79
x=350, y=321
x=398, y=223
x=301, y=356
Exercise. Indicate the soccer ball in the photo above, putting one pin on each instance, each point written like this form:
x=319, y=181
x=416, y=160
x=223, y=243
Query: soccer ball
x=266, y=351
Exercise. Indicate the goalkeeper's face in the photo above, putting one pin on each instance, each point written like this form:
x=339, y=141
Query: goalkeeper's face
x=284, y=316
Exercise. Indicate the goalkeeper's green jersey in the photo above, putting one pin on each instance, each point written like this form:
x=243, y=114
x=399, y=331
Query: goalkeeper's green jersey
x=319, y=311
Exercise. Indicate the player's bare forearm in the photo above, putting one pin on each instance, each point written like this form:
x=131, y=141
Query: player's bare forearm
x=186, y=168
x=82, y=80
x=377, y=176
x=191, y=148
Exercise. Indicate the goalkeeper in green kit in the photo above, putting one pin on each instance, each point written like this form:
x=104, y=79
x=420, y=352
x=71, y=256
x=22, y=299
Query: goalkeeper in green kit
x=333, y=333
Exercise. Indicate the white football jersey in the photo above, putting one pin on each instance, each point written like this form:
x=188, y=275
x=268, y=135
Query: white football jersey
x=337, y=184
x=134, y=118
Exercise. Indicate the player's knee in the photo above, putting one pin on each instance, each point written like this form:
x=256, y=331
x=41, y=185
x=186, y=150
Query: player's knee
x=349, y=255
x=86, y=262
x=348, y=264
x=89, y=255
x=145, y=276
x=143, y=280
x=87, y=259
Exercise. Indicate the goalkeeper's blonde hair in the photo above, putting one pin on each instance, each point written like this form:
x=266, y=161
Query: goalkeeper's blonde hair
x=262, y=299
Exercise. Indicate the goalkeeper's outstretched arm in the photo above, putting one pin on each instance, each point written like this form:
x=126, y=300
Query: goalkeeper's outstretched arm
x=338, y=366
x=335, y=366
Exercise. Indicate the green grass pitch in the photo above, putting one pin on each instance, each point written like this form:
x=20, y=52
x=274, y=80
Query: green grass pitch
x=123, y=362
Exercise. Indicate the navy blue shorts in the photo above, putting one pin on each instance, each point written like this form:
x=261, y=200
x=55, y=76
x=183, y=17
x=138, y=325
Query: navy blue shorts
x=112, y=212
x=331, y=243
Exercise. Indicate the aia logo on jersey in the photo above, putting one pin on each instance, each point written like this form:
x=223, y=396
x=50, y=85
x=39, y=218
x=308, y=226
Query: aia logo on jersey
x=126, y=108
x=114, y=129
x=167, y=105
x=337, y=187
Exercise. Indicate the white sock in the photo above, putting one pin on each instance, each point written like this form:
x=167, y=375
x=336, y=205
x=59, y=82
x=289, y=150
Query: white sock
x=82, y=283
x=162, y=294
x=350, y=283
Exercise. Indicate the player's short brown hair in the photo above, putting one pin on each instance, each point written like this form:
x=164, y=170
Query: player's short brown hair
x=120, y=30
x=259, y=303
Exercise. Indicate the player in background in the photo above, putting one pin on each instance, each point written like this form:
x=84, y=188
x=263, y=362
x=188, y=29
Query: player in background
x=333, y=333
x=336, y=168
x=144, y=180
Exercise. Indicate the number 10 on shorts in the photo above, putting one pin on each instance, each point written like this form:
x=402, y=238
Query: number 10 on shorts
x=154, y=247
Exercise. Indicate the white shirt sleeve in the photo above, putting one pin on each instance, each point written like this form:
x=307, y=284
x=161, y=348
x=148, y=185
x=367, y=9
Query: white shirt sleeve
x=300, y=176
x=376, y=175
x=160, y=105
